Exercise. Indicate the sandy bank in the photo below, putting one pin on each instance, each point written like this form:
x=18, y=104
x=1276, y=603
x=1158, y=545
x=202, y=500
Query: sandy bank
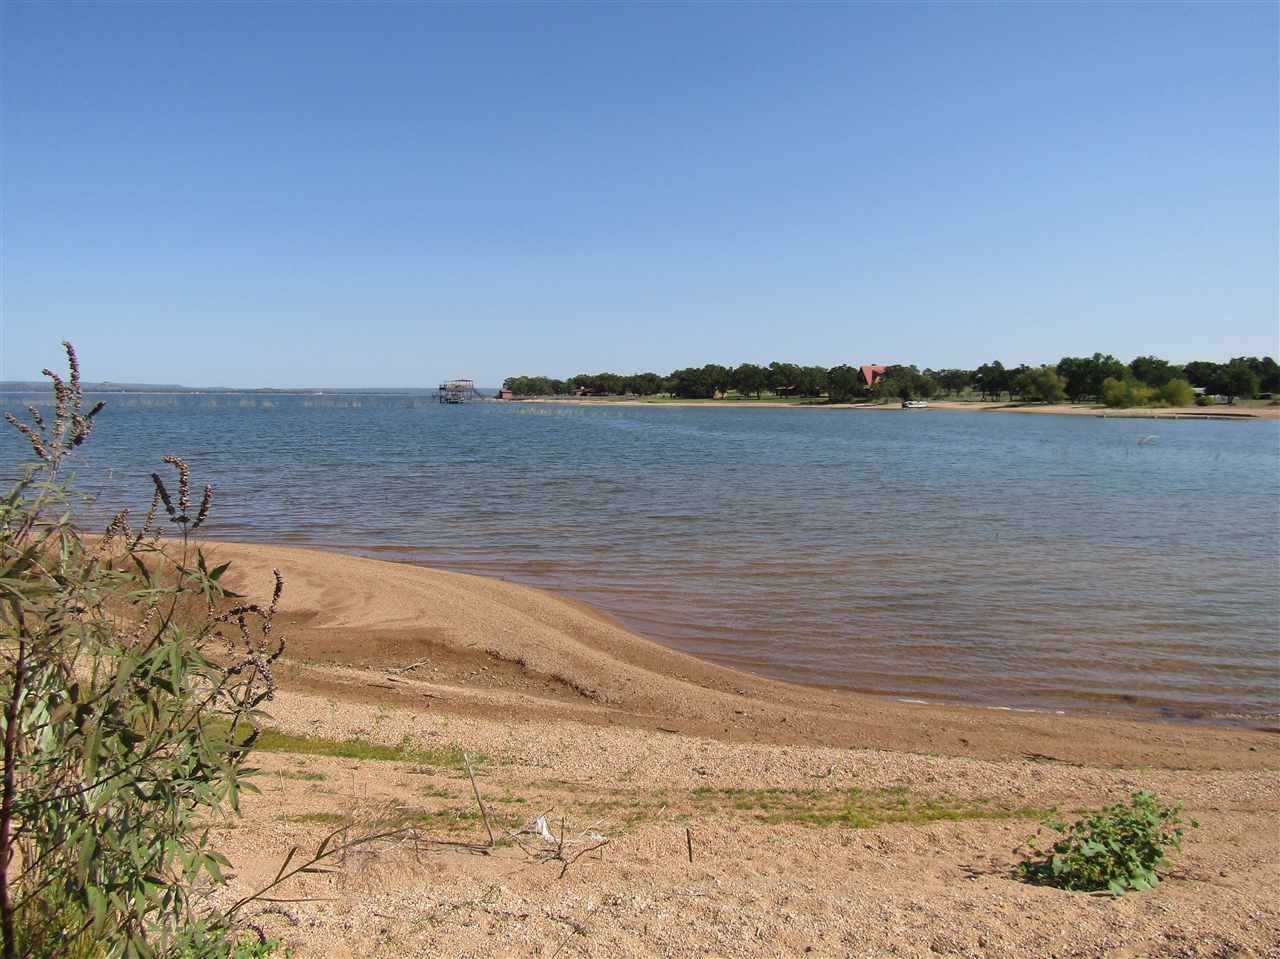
x=491, y=648
x=821, y=823
x=1064, y=409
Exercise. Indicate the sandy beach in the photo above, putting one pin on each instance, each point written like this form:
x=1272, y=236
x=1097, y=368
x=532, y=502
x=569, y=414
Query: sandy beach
x=697, y=811
x=1064, y=409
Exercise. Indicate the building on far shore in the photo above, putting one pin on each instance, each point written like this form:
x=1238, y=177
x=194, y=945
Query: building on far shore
x=872, y=374
x=505, y=394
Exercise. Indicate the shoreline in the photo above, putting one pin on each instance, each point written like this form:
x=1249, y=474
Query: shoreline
x=742, y=814
x=1158, y=714
x=975, y=406
x=373, y=615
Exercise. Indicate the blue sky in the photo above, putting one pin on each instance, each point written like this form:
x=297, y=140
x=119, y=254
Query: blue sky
x=358, y=194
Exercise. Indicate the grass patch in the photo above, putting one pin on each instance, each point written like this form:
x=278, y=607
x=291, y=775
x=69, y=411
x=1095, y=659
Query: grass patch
x=448, y=819
x=273, y=740
x=855, y=808
x=302, y=777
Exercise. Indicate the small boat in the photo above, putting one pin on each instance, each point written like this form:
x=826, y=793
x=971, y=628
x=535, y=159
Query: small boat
x=915, y=404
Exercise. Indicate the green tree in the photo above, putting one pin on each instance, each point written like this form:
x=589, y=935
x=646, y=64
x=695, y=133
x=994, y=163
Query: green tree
x=611, y=384
x=531, y=385
x=991, y=379
x=1042, y=384
x=750, y=379
x=1206, y=375
x=812, y=381
x=1154, y=371
x=906, y=383
x=952, y=381
x=643, y=384
x=702, y=382
x=1268, y=372
x=783, y=378
x=844, y=383
x=1084, y=375
x=1015, y=381
x=1238, y=380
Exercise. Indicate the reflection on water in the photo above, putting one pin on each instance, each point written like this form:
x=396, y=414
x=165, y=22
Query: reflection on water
x=1027, y=561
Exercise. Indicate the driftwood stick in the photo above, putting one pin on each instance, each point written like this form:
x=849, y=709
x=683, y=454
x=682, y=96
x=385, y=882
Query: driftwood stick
x=688, y=838
x=484, y=813
x=570, y=860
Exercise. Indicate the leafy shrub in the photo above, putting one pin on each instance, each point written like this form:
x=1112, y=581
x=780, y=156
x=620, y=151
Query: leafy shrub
x=1177, y=392
x=131, y=683
x=1125, y=392
x=1115, y=849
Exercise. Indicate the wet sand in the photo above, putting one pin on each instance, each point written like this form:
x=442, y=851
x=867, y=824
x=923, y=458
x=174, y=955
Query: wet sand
x=568, y=714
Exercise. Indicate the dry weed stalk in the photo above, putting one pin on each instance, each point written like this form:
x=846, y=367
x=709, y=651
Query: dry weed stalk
x=71, y=424
x=120, y=733
x=551, y=848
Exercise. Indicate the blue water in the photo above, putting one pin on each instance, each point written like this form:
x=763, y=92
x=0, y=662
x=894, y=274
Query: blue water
x=1030, y=561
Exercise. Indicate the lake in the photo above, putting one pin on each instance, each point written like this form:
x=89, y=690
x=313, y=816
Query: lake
x=1020, y=561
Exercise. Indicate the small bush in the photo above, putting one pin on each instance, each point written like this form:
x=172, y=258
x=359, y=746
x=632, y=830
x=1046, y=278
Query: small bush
x=1177, y=392
x=1114, y=850
x=1125, y=392
x=130, y=681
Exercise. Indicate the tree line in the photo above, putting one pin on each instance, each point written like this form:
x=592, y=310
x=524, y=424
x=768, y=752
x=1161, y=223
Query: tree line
x=1102, y=378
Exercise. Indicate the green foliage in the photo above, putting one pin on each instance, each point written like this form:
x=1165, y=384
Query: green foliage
x=643, y=384
x=844, y=383
x=905, y=383
x=278, y=741
x=1115, y=849
x=701, y=383
x=1086, y=376
x=855, y=808
x=132, y=685
x=1239, y=380
x=1154, y=371
x=1079, y=377
x=1129, y=392
x=952, y=381
x=249, y=945
x=1177, y=392
x=534, y=386
x=1125, y=392
x=991, y=379
x=750, y=379
x=1244, y=376
x=1042, y=384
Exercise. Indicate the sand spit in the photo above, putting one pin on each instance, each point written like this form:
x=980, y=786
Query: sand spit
x=822, y=823
x=1063, y=409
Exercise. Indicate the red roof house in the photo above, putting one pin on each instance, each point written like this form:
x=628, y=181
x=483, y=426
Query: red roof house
x=873, y=373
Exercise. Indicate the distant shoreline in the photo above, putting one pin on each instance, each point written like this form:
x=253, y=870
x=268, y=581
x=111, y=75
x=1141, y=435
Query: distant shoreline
x=971, y=406
x=1060, y=409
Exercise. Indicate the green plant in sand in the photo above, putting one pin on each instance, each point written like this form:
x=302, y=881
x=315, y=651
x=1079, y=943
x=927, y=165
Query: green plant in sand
x=1115, y=850
x=131, y=681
